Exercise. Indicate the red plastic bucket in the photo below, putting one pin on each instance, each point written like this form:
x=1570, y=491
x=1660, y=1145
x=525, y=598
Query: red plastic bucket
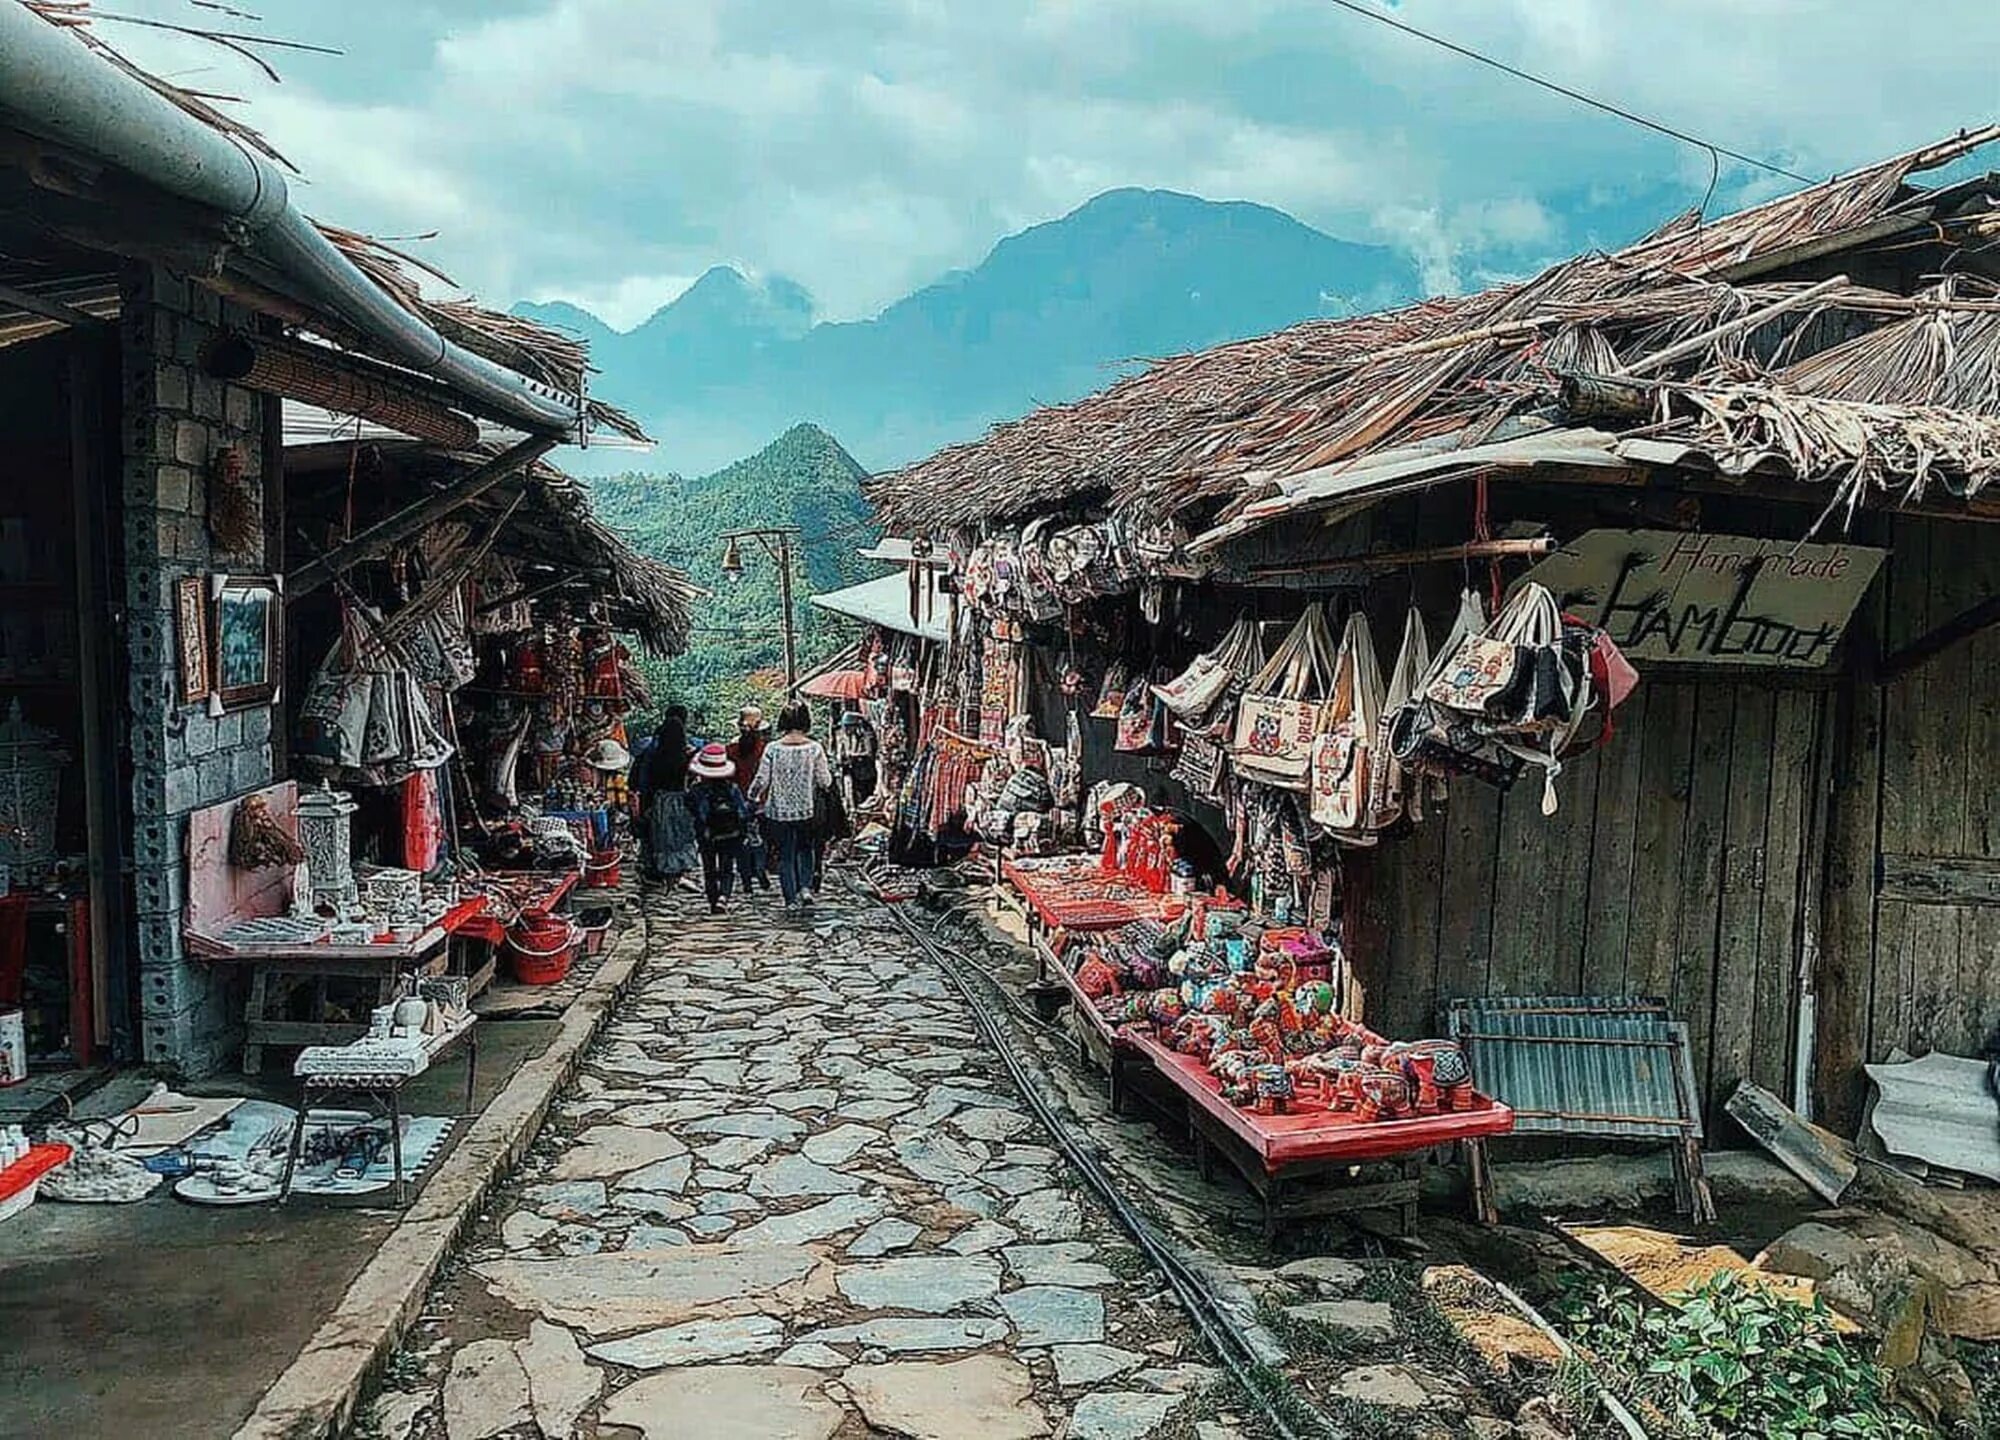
x=603, y=870
x=540, y=948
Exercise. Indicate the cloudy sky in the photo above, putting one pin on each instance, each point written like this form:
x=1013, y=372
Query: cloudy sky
x=607, y=151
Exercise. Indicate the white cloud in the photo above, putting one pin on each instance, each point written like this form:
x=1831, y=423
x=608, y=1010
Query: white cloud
x=624, y=303
x=601, y=149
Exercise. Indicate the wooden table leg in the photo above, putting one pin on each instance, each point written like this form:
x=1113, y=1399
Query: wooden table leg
x=1485, y=1210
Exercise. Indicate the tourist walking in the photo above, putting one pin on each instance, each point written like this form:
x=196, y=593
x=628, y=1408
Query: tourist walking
x=746, y=752
x=790, y=779
x=671, y=851
x=721, y=822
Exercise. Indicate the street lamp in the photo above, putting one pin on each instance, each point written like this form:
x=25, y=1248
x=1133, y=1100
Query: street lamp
x=777, y=543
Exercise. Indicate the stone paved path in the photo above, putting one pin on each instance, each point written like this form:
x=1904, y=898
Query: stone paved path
x=792, y=1196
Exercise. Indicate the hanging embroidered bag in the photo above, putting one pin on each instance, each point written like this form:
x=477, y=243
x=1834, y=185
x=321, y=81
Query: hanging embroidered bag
x=1342, y=753
x=1282, y=707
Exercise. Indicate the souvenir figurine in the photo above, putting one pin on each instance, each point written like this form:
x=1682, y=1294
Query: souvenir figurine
x=1385, y=1095
x=1273, y=1089
x=1097, y=979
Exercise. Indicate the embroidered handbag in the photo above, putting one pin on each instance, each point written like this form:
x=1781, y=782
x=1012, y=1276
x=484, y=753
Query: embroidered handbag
x=1282, y=707
x=1391, y=793
x=1111, y=692
x=1200, y=765
x=1433, y=740
x=1236, y=656
x=1341, y=753
x=1135, y=719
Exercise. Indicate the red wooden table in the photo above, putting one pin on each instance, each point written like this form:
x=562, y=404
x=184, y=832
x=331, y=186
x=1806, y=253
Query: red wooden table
x=1277, y=1154
x=1082, y=898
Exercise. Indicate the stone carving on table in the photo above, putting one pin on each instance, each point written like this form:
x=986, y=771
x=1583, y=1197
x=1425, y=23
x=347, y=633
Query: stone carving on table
x=326, y=830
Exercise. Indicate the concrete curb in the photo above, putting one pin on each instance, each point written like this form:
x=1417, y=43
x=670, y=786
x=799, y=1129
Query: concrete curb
x=316, y=1395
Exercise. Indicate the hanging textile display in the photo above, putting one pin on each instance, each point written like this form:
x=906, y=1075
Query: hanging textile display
x=1282, y=705
x=1237, y=656
x=1393, y=793
x=1343, y=752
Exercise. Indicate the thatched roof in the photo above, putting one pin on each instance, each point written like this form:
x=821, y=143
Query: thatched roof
x=1202, y=436
x=538, y=351
x=549, y=520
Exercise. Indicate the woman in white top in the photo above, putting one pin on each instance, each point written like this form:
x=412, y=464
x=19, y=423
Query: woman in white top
x=789, y=778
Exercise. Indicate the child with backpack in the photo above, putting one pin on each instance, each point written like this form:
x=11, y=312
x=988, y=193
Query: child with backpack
x=721, y=821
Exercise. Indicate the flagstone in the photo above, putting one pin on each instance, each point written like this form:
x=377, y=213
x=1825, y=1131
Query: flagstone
x=931, y=1284
x=561, y=1385
x=983, y=1395
x=631, y=1289
x=1054, y=1314
x=727, y=1402
x=694, y=1343
x=606, y=1150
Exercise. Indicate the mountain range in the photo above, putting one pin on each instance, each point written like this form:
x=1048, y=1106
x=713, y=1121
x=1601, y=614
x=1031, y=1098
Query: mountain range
x=1050, y=314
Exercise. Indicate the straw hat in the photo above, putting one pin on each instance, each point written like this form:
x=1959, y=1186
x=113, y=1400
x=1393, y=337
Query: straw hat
x=609, y=756
x=712, y=762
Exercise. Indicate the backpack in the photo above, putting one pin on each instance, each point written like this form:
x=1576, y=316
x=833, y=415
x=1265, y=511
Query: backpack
x=725, y=822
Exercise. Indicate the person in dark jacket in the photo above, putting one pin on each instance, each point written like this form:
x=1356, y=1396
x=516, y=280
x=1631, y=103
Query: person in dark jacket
x=671, y=851
x=721, y=822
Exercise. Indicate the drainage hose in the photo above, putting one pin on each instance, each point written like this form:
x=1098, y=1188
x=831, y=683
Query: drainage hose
x=1197, y=1298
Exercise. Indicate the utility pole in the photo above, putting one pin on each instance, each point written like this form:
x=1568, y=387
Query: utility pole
x=791, y=636
x=777, y=543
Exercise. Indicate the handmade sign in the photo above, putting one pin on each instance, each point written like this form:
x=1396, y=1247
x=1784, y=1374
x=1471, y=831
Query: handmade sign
x=1668, y=596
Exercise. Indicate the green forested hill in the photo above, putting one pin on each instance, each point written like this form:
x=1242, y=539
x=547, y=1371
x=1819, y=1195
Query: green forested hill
x=803, y=478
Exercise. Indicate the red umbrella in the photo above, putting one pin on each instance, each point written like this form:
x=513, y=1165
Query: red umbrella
x=837, y=685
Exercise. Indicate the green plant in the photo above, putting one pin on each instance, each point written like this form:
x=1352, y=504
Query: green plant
x=1736, y=1359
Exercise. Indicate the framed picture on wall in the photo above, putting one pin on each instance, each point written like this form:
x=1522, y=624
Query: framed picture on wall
x=191, y=638
x=248, y=624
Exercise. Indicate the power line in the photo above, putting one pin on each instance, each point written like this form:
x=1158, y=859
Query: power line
x=1577, y=95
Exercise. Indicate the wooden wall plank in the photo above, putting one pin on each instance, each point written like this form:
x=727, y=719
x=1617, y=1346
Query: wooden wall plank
x=1615, y=826
x=1471, y=823
x=1661, y=832
x=1797, y=732
x=1541, y=882
x=1908, y=784
x=1696, y=917
x=1739, y=924
x=1409, y=870
x=1843, y=972
x=1978, y=663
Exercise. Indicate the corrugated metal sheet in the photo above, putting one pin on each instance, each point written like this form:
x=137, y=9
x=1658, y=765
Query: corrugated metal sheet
x=1355, y=484
x=886, y=602
x=1609, y=1067
x=1941, y=1110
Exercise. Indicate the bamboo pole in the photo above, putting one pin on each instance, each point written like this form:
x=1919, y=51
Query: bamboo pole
x=1397, y=559
x=1695, y=344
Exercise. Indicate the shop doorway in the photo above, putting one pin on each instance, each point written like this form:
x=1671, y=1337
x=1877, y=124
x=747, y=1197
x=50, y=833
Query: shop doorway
x=62, y=828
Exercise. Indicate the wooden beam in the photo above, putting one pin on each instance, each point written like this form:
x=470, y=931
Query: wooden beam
x=1962, y=626
x=48, y=309
x=378, y=539
x=1939, y=879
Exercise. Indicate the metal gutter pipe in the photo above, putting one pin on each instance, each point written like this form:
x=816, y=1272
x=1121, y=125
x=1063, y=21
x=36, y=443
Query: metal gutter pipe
x=51, y=85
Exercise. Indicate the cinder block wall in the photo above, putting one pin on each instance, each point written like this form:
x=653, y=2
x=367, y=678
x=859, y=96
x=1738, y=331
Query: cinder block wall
x=176, y=420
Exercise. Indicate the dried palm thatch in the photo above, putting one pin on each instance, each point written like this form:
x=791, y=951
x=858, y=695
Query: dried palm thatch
x=647, y=597
x=1208, y=431
x=537, y=351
